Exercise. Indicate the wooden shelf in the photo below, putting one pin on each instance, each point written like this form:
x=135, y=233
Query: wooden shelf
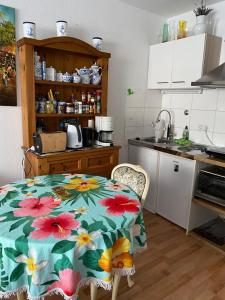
x=66, y=115
x=58, y=83
x=210, y=205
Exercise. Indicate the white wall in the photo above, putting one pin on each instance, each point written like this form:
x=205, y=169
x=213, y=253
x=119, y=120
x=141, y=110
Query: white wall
x=126, y=31
x=206, y=109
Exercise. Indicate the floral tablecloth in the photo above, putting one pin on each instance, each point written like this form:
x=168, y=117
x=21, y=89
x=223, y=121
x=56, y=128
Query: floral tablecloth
x=59, y=232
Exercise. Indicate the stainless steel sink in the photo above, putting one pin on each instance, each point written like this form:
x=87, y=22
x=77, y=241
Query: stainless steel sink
x=152, y=140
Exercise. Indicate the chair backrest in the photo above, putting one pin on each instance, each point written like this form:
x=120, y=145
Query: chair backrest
x=133, y=176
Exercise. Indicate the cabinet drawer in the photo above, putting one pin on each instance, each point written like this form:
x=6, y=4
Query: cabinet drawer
x=68, y=166
x=99, y=161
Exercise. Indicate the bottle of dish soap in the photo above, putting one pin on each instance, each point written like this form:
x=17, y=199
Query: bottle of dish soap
x=186, y=133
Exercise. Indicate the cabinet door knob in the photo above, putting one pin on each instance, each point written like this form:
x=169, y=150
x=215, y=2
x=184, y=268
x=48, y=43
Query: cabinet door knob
x=176, y=168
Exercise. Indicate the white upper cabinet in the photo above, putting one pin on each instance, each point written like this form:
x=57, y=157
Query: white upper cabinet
x=176, y=64
x=160, y=59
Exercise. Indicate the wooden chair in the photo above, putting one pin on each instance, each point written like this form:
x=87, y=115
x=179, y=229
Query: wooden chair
x=138, y=180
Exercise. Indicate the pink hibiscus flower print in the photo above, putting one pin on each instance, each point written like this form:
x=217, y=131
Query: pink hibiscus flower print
x=68, y=282
x=59, y=226
x=120, y=204
x=36, y=207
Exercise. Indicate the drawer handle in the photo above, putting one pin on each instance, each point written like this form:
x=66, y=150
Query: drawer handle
x=181, y=81
x=161, y=82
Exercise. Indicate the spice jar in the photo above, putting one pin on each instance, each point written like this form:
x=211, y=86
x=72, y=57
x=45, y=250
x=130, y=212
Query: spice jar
x=69, y=108
x=49, y=107
x=61, y=107
x=42, y=107
x=79, y=107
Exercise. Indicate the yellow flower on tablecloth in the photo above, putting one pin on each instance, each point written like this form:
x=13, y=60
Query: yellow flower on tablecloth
x=123, y=260
x=81, y=210
x=31, y=182
x=105, y=262
x=82, y=185
x=116, y=257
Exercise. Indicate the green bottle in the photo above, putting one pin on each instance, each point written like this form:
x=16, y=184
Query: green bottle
x=186, y=133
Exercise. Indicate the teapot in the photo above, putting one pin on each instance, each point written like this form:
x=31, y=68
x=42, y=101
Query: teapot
x=96, y=78
x=76, y=78
x=95, y=69
x=84, y=71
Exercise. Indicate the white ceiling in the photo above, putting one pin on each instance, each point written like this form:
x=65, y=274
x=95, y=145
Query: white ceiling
x=167, y=8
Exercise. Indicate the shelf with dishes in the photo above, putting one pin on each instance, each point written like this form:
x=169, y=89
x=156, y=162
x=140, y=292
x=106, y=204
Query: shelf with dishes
x=68, y=115
x=68, y=84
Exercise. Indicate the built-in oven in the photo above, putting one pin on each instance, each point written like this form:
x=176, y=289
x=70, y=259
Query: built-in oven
x=211, y=184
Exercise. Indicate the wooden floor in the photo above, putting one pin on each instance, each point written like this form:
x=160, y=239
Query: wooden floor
x=174, y=267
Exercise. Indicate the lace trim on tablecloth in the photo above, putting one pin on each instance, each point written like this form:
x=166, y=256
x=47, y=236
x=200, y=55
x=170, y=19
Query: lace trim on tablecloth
x=83, y=282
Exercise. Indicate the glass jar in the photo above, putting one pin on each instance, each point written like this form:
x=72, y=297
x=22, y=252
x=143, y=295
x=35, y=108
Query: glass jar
x=69, y=108
x=61, y=107
x=42, y=107
x=49, y=107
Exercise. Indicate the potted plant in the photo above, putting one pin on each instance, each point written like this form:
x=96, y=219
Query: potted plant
x=201, y=14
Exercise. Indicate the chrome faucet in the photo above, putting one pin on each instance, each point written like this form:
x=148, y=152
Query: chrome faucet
x=169, y=134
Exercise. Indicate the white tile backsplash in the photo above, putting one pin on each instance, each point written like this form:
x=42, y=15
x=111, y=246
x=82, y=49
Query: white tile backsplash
x=221, y=100
x=148, y=131
x=179, y=118
x=132, y=132
x=200, y=137
x=178, y=132
x=206, y=109
x=220, y=122
x=219, y=139
x=153, y=98
x=202, y=117
x=166, y=101
x=135, y=100
x=150, y=115
x=134, y=116
x=205, y=101
x=181, y=101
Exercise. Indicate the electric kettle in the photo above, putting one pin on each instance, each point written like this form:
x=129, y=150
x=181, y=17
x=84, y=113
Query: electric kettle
x=74, y=136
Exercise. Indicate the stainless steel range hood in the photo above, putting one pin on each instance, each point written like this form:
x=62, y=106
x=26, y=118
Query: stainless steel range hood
x=214, y=79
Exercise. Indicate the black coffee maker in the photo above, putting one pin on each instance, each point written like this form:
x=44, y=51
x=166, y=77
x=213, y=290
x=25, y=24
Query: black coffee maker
x=88, y=136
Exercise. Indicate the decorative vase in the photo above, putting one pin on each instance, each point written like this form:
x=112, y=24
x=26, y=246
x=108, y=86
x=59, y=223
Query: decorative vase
x=182, y=29
x=165, y=33
x=201, y=25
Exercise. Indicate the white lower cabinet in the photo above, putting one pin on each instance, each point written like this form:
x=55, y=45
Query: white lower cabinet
x=148, y=160
x=175, y=188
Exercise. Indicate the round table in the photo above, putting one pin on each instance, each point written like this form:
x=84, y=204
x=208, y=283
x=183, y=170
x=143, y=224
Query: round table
x=60, y=232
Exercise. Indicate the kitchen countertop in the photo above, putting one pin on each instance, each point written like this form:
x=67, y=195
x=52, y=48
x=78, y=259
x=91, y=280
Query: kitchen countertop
x=168, y=148
x=173, y=149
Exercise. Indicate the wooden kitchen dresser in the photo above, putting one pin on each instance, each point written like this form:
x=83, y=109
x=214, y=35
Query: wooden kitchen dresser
x=64, y=54
x=99, y=161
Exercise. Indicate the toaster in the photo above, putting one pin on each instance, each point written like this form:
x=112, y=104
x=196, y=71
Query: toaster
x=50, y=142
